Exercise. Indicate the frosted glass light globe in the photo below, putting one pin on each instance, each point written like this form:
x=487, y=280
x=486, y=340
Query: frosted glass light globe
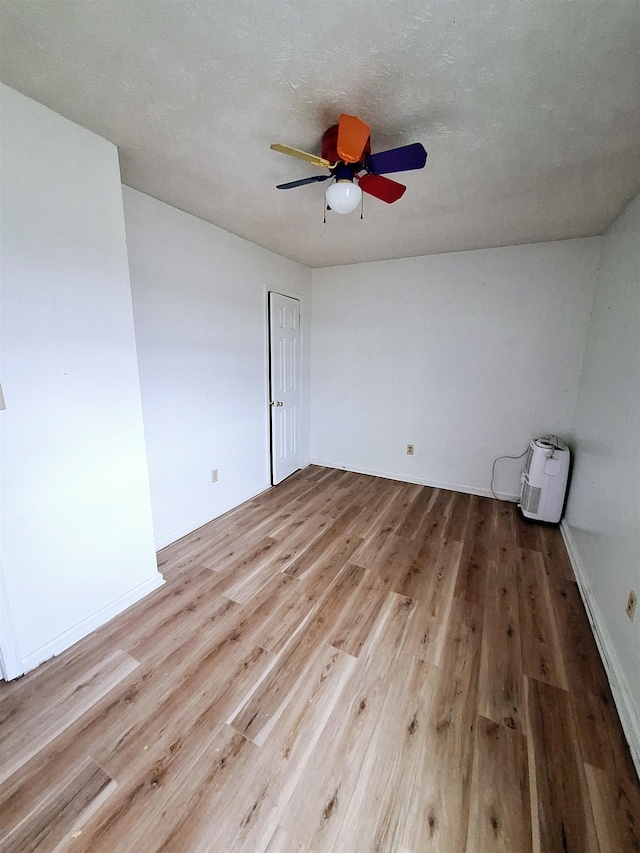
x=344, y=196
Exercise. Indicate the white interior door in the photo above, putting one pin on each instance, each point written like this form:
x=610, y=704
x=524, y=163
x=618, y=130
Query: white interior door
x=284, y=338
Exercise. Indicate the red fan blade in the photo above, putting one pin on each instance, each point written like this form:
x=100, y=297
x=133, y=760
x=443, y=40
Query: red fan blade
x=352, y=138
x=382, y=188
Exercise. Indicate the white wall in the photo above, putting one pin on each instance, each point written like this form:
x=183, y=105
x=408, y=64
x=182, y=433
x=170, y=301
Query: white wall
x=467, y=356
x=200, y=301
x=602, y=524
x=77, y=540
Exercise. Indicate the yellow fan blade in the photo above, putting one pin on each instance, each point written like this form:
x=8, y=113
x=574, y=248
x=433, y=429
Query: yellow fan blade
x=301, y=155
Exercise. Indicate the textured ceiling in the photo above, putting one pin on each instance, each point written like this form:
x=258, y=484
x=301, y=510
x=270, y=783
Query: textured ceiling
x=529, y=110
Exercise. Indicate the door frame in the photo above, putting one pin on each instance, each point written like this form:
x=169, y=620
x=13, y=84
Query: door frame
x=11, y=665
x=304, y=444
x=10, y=661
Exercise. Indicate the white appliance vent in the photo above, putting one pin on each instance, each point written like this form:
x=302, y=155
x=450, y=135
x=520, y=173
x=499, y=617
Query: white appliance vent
x=530, y=498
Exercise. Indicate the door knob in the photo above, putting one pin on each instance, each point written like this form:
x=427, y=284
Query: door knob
x=279, y=403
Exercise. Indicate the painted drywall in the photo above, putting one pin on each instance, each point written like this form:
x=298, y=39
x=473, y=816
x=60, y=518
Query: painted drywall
x=466, y=356
x=603, y=518
x=200, y=307
x=77, y=538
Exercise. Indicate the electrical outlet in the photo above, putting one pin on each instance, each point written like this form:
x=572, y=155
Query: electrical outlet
x=409, y=449
x=214, y=475
x=631, y=604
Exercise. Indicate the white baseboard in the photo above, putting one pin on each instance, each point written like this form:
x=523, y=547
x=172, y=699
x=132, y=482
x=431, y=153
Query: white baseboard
x=65, y=640
x=195, y=523
x=629, y=716
x=450, y=487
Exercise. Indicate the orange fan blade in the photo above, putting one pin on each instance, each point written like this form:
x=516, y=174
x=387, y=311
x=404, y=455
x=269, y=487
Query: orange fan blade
x=352, y=137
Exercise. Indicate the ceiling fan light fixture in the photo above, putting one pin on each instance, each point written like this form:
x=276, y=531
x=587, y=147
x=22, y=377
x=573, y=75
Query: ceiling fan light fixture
x=344, y=196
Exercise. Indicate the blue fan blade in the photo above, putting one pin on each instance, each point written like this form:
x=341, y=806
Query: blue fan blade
x=402, y=159
x=302, y=182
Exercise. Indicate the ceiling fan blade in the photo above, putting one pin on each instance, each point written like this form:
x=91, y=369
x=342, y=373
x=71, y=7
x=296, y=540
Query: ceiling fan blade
x=402, y=159
x=302, y=182
x=382, y=188
x=301, y=155
x=352, y=138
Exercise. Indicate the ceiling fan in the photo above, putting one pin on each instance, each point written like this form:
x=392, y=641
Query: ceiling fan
x=346, y=152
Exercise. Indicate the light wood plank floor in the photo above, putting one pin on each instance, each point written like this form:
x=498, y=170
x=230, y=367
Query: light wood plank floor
x=345, y=663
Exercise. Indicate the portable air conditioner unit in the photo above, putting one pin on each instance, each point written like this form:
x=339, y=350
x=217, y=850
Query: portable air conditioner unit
x=544, y=479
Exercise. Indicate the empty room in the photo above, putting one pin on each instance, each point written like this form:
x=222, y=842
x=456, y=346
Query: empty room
x=319, y=426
